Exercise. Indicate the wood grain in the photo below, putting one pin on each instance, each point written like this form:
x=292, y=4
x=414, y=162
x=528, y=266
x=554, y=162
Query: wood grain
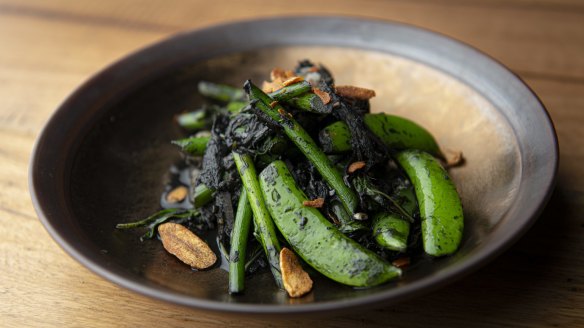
x=50, y=47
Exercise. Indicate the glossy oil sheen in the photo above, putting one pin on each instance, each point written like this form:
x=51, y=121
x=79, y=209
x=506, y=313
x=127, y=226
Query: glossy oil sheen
x=103, y=157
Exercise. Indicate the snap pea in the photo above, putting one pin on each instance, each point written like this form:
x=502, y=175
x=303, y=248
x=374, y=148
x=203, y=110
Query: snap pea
x=440, y=206
x=239, y=237
x=390, y=229
x=315, y=239
x=262, y=221
x=394, y=131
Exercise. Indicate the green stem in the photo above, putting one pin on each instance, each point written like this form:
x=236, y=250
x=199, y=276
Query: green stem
x=235, y=106
x=220, y=92
x=239, y=237
x=194, y=146
x=300, y=95
x=193, y=121
x=294, y=90
x=261, y=216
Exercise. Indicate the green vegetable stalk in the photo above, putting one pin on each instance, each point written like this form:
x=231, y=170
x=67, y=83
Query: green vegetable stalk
x=291, y=91
x=220, y=92
x=194, y=146
x=262, y=220
x=193, y=121
x=239, y=239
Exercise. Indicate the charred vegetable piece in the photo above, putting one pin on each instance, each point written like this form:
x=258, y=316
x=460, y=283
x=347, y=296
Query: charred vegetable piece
x=194, y=146
x=220, y=92
x=307, y=146
x=390, y=229
x=394, y=131
x=315, y=239
x=262, y=220
x=239, y=238
x=309, y=102
x=440, y=206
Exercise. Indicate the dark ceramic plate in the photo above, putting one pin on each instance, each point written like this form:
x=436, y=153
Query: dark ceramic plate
x=104, y=155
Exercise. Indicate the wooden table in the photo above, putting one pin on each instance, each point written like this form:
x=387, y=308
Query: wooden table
x=49, y=47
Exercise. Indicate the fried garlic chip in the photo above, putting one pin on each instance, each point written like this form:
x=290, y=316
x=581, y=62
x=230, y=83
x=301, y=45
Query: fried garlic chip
x=186, y=246
x=296, y=281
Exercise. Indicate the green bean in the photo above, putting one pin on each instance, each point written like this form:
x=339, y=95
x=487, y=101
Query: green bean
x=315, y=239
x=395, y=132
x=440, y=206
x=346, y=223
x=307, y=146
x=194, y=146
x=291, y=91
x=202, y=195
x=239, y=236
x=309, y=102
x=261, y=216
x=220, y=92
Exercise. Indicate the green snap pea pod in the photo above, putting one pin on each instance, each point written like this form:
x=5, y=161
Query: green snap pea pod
x=220, y=92
x=307, y=146
x=394, y=131
x=317, y=240
x=195, y=146
x=390, y=229
x=239, y=237
x=440, y=206
x=262, y=220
